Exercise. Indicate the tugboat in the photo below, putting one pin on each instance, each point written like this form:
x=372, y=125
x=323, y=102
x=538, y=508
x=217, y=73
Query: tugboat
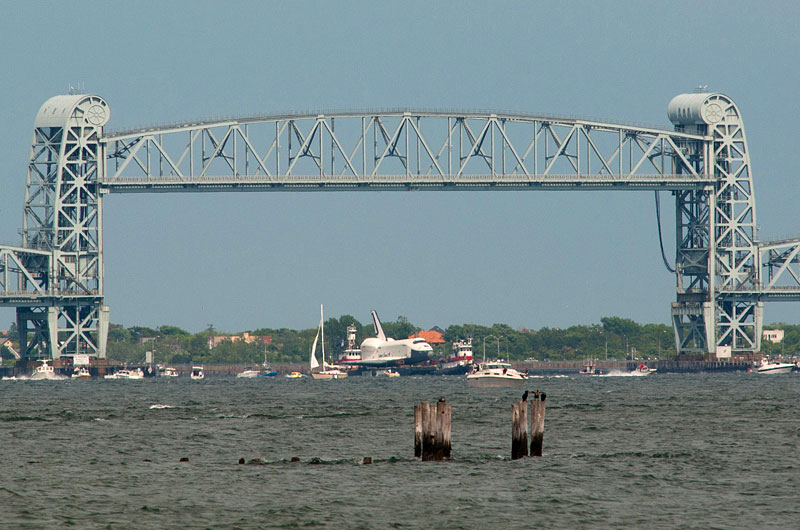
x=460, y=360
x=351, y=354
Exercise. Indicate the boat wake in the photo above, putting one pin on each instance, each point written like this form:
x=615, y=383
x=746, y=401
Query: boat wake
x=618, y=373
x=160, y=406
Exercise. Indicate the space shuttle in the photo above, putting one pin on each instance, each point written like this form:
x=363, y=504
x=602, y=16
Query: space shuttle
x=381, y=350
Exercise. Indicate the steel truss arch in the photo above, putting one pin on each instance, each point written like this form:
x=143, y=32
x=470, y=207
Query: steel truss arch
x=55, y=278
x=397, y=149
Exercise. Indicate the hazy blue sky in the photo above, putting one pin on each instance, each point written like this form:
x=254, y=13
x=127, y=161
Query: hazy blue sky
x=242, y=261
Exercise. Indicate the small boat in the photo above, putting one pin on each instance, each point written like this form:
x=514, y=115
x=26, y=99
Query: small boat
x=197, y=373
x=387, y=373
x=295, y=375
x=495, y=374
x=643, y=369
x=81, y=373
x=328, y=371
x=774, y=367
x=460, y=360
x=266, y=369
x=45, y=371
x=126, y=374
x=589, y=368
x=168, y=371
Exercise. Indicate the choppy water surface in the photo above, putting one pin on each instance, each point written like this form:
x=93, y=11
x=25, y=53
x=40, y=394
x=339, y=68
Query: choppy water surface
x=666, y=451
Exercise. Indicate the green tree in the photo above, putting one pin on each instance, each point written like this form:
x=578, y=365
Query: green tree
x=172, y=330
x=620, y=326
x=401, y=329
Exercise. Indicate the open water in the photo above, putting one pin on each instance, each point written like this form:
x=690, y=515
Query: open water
x=665, y=451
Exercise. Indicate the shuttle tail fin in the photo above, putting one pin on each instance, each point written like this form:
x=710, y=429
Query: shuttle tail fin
x=377, y=324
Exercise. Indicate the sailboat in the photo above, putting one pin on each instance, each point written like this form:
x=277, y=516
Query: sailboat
x=328, y=371
x=266, y=369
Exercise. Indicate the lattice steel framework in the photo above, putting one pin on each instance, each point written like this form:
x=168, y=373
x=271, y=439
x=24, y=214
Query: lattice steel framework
x=397, y=150
x=58, y=282
x=718, y=306
x=56, y=277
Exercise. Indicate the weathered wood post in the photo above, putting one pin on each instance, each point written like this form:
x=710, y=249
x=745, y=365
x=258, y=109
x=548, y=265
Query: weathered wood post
x=537, y=423
x=519, y=430
x=434, y=432
x=418, y=430
x=425, y=414
x=443, y=412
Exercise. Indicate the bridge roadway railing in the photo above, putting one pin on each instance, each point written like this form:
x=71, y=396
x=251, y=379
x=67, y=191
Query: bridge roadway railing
x=404, y=182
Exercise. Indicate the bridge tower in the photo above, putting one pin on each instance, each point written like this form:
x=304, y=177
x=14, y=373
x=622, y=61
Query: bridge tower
x=55, y=278
x=63, y=222
x=718, y=308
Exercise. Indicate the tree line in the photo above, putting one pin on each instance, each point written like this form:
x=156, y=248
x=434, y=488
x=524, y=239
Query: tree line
x=612, y=338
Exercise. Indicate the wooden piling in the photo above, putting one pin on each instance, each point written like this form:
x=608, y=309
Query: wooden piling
x=519, y=430
x=418, y=430
x=435, y=421
x=537, y=423
x=425, y=417
x=443, y=412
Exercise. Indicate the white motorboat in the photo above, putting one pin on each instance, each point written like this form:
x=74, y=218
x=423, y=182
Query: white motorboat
x=495, y=374
x=328, y=371
x=197, y=373
x=126, y=374
x=249, y=374
x=387, y=373
x=168, y=371
x=643, y=369
x=45, y=371
x=774, y=367
x=81, y=373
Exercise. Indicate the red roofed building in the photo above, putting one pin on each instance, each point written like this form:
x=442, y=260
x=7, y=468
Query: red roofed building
x=431, y=336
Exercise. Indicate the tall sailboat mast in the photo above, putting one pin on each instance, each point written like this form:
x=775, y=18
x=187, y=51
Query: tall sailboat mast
x=322, y=327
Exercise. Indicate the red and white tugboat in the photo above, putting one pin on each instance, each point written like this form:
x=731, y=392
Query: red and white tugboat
x=460, y=361
x=351, y=354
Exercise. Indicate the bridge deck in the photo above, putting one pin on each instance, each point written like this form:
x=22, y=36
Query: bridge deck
x=406, y=182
